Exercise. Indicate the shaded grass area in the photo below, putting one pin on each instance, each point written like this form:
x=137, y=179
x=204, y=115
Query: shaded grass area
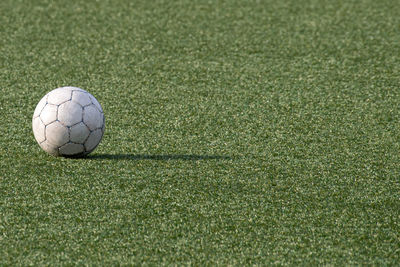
x=237, y=133
x=157, y=157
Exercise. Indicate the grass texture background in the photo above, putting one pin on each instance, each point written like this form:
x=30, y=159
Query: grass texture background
x=237, y=133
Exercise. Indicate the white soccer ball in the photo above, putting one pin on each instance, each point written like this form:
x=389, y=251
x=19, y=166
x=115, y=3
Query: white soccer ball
x=69, y=122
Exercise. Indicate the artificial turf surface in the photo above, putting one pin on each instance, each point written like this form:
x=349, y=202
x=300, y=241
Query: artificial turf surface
x=237, y=133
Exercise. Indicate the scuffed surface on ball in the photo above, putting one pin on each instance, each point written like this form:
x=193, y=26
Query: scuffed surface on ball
x=39, y=129
x=68, y=121
x=92, y=117
x=59, y=96
x=71, y=149
x=93, y=140
x=49, y=114
x=79, y=133
x=70, y=113
x=57, y=134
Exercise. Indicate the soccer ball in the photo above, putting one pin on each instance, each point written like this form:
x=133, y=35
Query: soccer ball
x=69, y=122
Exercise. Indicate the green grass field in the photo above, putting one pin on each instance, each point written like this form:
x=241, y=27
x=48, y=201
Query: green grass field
x=237, y=133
